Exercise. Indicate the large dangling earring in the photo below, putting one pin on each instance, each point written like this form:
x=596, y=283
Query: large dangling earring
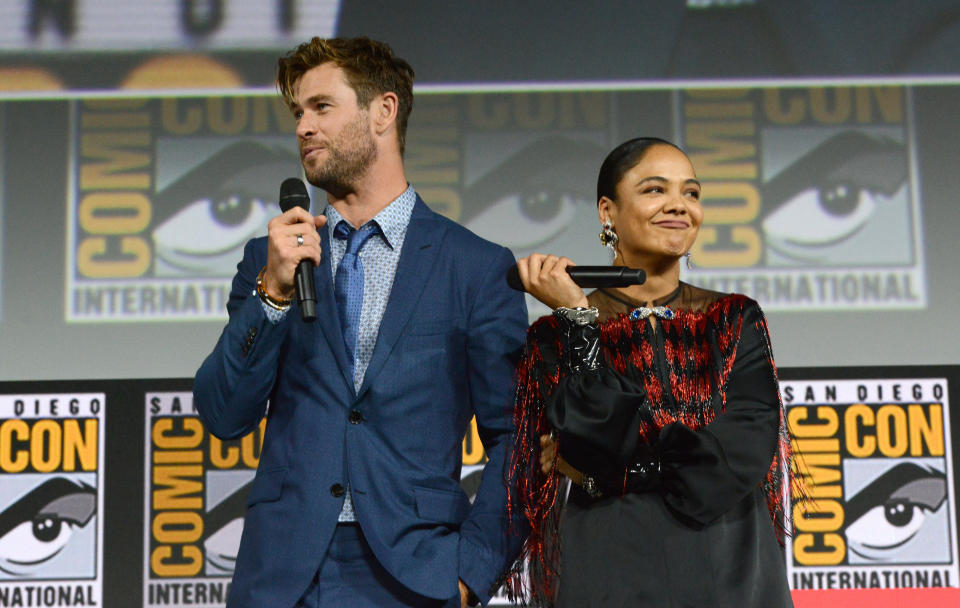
x=686, y=258
x=609, y=238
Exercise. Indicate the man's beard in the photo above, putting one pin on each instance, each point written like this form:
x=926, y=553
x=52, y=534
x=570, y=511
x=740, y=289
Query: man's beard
x=348, y=158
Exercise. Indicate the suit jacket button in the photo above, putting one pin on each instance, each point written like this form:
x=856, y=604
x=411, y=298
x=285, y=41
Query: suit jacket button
x=337, y=490
x=356, y=417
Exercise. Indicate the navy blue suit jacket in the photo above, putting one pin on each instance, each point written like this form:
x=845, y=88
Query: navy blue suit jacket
x=446, y=351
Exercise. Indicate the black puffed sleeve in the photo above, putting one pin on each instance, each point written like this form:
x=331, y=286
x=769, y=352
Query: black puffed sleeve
x=704, y=473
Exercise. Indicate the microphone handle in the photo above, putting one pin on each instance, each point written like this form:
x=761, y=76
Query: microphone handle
x=591, y=276
x=306, y=293
x=606, y=276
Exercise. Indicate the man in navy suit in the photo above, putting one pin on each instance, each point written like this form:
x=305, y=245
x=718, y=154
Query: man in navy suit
x=356, y=501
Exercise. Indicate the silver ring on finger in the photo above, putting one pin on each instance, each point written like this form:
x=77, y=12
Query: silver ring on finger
x=299, y=240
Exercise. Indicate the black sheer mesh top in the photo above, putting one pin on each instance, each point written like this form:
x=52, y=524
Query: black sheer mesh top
x=612, y=302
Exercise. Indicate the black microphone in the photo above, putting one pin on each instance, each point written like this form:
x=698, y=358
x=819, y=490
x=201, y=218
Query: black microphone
x=591, y=276
x=294, y=194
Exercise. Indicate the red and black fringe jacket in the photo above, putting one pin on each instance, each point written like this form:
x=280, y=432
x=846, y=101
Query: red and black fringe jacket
x=717, y=422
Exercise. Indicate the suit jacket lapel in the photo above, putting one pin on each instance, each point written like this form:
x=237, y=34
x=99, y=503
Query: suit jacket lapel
x=327, y=317
x=419, y=253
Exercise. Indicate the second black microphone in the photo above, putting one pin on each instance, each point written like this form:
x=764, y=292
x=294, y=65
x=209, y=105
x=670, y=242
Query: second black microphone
x=591, y=276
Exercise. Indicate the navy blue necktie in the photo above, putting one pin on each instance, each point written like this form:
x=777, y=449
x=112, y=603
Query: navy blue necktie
x=348, y=285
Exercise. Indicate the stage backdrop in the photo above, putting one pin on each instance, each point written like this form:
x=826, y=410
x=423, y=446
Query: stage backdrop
x=142, y=142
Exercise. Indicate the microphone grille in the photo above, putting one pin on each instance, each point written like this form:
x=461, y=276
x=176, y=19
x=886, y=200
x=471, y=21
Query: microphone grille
x=293, y=194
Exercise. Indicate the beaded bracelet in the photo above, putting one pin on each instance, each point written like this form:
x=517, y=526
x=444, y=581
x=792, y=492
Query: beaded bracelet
x=267, y=298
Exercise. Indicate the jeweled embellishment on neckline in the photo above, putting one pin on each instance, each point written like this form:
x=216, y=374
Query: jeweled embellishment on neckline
x=642, y=312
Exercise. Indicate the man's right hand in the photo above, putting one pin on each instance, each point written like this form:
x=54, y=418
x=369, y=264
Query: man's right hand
x=284, y=253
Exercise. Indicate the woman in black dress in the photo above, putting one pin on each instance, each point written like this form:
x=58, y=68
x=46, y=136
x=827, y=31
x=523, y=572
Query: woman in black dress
x=660, y=403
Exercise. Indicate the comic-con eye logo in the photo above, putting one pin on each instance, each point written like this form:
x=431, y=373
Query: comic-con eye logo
x=810, y=198
x=533, y=196
x=898, y=516
x=164, y=195
x=205, y=216
x=875, y=484
x=51, y=499
x=37, y=526
x=195, y=500
x=873, y=502
x=840, y=203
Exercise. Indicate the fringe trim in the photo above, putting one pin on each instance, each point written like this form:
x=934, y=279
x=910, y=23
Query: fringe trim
x=532, y=580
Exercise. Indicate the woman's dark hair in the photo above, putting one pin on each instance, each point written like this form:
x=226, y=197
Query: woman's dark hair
x=620, y=160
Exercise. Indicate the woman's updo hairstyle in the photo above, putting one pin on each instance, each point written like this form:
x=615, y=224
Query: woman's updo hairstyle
x=620, y=160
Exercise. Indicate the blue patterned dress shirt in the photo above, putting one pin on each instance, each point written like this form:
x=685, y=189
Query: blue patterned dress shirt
x=380, y=256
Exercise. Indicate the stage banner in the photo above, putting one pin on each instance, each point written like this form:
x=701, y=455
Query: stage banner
x=194, y=502
x=878, y=507
x=51, y=498
x=811, y=194
x=876, y=525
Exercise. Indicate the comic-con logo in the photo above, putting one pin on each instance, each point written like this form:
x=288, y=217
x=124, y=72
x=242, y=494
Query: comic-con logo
x=164, y=194
x=876, y=508
x=196, y=490
x=809, y=196
x=51, y=498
